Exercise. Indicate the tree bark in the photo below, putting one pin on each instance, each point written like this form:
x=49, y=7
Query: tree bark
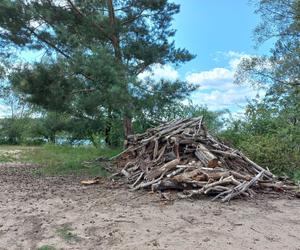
x=127, y=126
x=107, y=130
x=115, y=40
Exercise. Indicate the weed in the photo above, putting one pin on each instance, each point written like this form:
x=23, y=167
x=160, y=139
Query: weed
x=46, y=247
x=66, y=234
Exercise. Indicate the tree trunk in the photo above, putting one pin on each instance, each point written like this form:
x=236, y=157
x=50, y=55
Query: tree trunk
x=127, y=125
x=52, y=138
x=114, y=37
x=107, y=135
x=92, y=139
x=107, y=130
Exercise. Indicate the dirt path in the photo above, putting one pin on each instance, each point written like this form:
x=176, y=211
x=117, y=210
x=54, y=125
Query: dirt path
x=58, y=212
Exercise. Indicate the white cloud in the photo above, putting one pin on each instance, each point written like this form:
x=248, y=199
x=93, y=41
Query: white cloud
x=216, y=77
x=217, y=89
x=158, y=72
x=233, y=57
x=232, y=98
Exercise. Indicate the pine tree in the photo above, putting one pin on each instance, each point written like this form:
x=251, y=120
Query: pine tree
x=94, y=51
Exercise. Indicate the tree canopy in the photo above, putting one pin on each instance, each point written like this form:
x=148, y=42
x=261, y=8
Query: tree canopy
x=93, y=52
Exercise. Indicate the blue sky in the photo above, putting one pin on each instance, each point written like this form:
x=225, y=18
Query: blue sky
x=220, y=33
x=209, y=26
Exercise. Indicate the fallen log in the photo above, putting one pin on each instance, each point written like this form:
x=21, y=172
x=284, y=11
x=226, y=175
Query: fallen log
x=164, y=169
x=206, y=157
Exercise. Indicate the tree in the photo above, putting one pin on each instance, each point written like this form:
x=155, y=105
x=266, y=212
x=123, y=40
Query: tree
x=281, y=23
x=94, y=52
x=280, y=72
x=270, y=132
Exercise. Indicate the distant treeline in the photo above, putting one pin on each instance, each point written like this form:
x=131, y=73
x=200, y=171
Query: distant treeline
x=55, y=127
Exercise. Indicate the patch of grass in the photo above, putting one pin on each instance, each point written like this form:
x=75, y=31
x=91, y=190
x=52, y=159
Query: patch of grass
x=46, y=247
x=61, y=160
x=66, y=234
x=5, y=158
x=66, y=160
x=11, y=153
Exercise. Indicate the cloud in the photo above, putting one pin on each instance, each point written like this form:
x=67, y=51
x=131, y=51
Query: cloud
x=158, y=72
x=217, y=89
x=233, y=57
x=233, y=99
x=214, y=78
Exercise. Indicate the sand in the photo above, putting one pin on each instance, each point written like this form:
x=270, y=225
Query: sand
x=34, y=210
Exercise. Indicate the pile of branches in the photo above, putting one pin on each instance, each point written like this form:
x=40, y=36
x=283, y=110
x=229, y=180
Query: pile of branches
x=181, y=155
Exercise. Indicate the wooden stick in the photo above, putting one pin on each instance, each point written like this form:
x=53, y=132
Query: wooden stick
x=147, y=184
x=125, y=173
x=265, y=172
x=155, y=149
x=137, y=180
x=177, y=171
x=242, y=188
x=278, y=186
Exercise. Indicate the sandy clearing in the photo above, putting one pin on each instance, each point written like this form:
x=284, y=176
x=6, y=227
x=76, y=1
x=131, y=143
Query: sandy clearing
x=33, y=209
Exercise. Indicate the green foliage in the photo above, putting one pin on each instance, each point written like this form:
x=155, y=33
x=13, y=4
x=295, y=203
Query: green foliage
x=270, y=133
x=212, y=119
x=269, y=151
x=11, y=130
x=267, y=138
x=49, y=125
x=94, y=52
x=280, y=70
x=86, y=85
x=296, y=175
x=30, y=131
x=45, y=85
x=15, y=102
x=176, y=110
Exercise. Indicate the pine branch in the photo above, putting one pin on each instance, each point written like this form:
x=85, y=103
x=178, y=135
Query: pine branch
x=82, y=15
x=53, y=46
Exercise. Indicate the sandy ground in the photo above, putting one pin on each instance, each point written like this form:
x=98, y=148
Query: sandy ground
x=33, y=210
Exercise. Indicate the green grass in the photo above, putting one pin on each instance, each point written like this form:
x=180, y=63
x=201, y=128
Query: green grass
x=46, y=247
x=66, y=234
x=6, y=158
x=58, y=160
